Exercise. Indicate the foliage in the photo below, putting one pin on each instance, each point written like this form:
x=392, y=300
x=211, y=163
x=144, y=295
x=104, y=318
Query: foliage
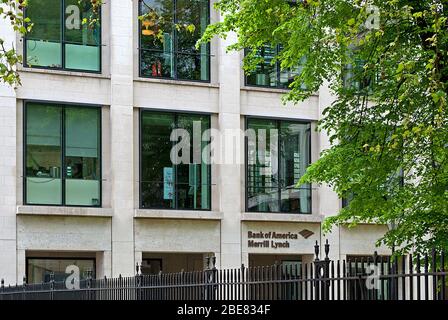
x=398, y=122
x=12, y=11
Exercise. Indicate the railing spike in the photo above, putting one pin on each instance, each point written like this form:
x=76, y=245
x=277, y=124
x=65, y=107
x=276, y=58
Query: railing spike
x=327, y=249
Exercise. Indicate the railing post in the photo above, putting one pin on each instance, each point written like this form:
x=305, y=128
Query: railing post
x=210, y=278
x=51, y=286
x=24, y=288
x=243, y=281
x=138, y=281
x=89, y=285
x=322, y=273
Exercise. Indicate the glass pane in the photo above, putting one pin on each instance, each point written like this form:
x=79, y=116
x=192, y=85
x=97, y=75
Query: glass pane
x=265, y=73
x=43, y=154
x=151, y=266
x=82, y=48
x=192, y=20
x=262, y=167
x=156, y=64
x=192, y=67
x=294, y=160
x=39, y=270
x=43, y=45
x=287, y=76
x=193, y=179
x=157, y=171
x=157, y=38
x=82, y=156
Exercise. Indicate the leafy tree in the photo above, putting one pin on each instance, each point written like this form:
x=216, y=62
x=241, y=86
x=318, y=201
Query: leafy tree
x=11, y=10
x=388, y=123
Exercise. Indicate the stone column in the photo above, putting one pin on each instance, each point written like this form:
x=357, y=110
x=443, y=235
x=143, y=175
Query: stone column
x=230, y=179
x=121, y=125
x=8, y=151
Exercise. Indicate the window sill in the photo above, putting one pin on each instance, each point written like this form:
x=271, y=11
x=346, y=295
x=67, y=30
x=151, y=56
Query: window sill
x=282, y=217
x=269, y=90
x=178, y=82
x=63, y=72
x=64, y=211
x=177, y=214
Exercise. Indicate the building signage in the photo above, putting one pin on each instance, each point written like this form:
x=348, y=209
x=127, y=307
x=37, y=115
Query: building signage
x=274, y=240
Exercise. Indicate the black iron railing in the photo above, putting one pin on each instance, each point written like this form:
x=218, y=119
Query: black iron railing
x=365, y=278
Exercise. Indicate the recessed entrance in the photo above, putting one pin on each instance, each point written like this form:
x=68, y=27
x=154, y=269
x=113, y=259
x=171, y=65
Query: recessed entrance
x=153, y=263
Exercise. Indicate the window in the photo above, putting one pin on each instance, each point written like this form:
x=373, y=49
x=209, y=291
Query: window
x=169, y=30
x=151, y=266
x=355, y=77
x=60, y=39
x=39, y=270
x=268, y=74
x=165, y=184
x=272, y=174
x=62, y=155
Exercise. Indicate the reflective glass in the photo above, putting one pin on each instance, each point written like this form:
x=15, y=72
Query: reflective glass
x=40, y=269
x=294, y=160
x=82, y=40
x=169, y=31
x=43, y=155
x=174, y=180
x=265, y=73
x=157, y=170
x=262, y=184
x=82, y=154
x=66, y=34
x=43, y=45
x=278, y=156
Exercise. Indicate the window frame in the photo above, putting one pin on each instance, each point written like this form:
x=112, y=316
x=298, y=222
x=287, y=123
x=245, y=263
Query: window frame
x=62, y=105
x=246, y=176
x=278, y=75
x=57, y=258
x=176, y=52
x=175, y=113
x=63, y=43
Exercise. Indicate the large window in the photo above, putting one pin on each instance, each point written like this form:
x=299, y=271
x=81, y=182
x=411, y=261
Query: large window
x=62, y=155
x=278, y=153
x=39, y=270
x=174, y=183
x=169, y=30
x=66, y=34
x=269, y=73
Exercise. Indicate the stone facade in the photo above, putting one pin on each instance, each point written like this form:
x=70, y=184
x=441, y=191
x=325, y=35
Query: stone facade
x=119, y=234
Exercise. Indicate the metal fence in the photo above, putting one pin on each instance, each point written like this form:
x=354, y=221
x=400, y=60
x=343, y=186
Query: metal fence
x=364, y=278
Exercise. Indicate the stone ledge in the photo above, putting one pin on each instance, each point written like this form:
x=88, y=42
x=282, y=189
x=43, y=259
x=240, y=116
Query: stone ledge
x=177, y=214
x=62, y=72
x=282, y=217
x=64, y=211
x=270, y=90
x=177, y=82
